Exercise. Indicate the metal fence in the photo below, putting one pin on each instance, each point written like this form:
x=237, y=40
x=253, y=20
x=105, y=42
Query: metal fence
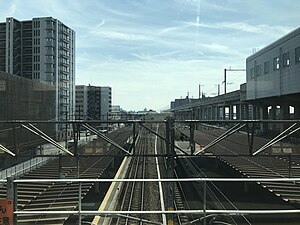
x=17, y=170
x=204, y=212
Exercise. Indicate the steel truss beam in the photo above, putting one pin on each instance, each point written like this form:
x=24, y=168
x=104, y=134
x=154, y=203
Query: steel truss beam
x=287, y=132
x=222, y=137
x=4, y=149
x=44, y=136
x=163, y=138
x=93, y=130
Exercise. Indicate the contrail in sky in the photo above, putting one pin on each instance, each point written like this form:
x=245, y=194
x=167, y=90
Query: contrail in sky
x=197, y=25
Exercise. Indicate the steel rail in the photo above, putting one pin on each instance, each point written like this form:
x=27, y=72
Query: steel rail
x=132, y=191
x=127, y=187
x=162, y=201
x=157, y=134
x=222, y=194
x=135, y=218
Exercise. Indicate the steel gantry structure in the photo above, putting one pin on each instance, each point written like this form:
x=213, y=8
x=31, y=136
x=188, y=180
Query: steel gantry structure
x=170, y=124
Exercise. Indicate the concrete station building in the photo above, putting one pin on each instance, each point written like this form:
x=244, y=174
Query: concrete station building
x=273, y=78
x=271, y=91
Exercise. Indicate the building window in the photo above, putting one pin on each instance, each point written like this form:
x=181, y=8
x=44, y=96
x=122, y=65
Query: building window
x=286, y=59
x=257, y=71
x=36, y=32
x=251, y=72
x=297, y=55
x=266, y=67
x=36, y=75
x=276, y=64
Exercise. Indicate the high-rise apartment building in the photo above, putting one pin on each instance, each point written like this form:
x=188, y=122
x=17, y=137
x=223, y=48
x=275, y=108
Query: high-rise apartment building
x=81, y=102
x=93, y=102
x=41, y=49
x=105, y=105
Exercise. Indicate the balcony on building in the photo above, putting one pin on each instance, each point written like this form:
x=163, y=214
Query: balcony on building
x=64, y=47
x=64, y=55
x=50, y=51
x=64, y=77
x=65, y=31
x=50, y=60
x=50, y=26
x=63, y=94
x=50, y=42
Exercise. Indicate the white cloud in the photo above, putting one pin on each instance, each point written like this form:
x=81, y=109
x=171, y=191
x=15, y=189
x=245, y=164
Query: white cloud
x=120, y=36
x=244, y=27
x=149, y=57
x=100, y=24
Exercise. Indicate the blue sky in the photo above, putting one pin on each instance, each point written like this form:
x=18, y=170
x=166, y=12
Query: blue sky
x=153, y=51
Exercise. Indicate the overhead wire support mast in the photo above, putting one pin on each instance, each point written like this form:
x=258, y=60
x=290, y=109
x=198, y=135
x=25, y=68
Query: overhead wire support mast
x=225, y=76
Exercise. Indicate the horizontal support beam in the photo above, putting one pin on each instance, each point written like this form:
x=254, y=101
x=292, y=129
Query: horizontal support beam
x=207, y=179
x=144, y=121
x=200, y=211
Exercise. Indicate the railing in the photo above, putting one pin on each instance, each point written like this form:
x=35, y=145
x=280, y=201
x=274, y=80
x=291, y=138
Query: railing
x=24, y=167
x=204, y=212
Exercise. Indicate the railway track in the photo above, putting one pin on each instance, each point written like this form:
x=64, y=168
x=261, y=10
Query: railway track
x=260, y=166
x=149, y=196
x=180, y=201
x=139, y=196
x=60, y=196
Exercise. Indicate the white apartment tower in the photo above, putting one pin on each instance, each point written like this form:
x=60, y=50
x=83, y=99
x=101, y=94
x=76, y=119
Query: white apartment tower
x=93, y=102
x=42, y=49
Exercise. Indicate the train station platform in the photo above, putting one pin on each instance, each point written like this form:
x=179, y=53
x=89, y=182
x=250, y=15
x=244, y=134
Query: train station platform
x=113, y=194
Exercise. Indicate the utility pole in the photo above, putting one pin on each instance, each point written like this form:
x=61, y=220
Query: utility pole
x=200, y=95
x=225, y=80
